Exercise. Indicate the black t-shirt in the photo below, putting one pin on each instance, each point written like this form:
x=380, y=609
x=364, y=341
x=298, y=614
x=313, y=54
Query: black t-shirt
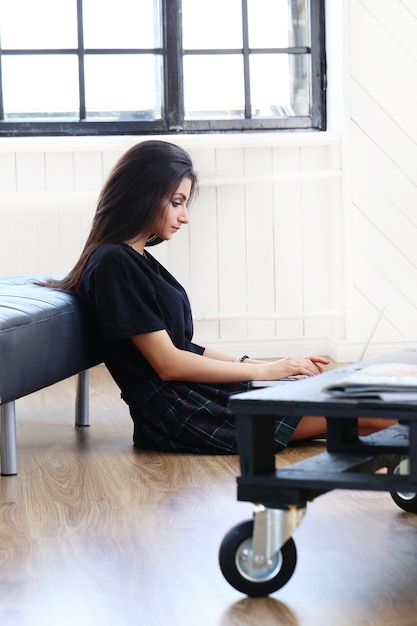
x=125, y=293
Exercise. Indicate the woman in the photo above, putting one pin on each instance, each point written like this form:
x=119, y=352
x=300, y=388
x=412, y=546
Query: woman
x=177, y=391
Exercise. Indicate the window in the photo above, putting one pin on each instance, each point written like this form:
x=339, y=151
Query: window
x=85, y=67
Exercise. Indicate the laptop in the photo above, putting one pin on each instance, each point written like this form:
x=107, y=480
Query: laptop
x=283, y=381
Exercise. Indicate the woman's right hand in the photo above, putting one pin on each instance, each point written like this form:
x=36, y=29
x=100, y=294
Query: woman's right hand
x=294, y=366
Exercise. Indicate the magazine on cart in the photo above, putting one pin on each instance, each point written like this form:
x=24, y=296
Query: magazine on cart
x=377, y=379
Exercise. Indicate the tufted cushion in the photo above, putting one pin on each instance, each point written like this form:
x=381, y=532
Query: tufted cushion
x=43, y=338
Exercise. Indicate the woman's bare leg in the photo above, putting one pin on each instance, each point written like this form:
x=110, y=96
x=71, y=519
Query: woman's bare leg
x=368, y=426
x=309, y=428
x=313, y=427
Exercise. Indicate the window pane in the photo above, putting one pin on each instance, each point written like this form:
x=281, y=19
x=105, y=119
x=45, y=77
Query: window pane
x=279, y=85
x=211, y=25
x=38, y=24
x=277, y=23
x=213, y=87
x=124, y=73
x=40, y=85
x=122, y=24
x=123, y=86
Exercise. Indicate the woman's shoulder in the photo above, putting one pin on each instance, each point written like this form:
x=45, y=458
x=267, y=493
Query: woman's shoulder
x=111, y=250
x=121, y=259
x=118, y=253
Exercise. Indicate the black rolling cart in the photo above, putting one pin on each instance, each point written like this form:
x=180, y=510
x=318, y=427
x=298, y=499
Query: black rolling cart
x=258, y=556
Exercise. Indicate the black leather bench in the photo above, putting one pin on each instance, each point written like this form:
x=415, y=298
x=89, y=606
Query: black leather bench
x=43, y=339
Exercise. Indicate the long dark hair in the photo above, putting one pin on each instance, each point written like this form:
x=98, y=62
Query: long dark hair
x=132, y=199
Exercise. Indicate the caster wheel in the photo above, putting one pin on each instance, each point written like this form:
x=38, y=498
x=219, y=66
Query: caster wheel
x=405, y=500
x=236, y=563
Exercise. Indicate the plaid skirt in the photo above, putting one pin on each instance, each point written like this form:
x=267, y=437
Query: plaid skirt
x=191, y=417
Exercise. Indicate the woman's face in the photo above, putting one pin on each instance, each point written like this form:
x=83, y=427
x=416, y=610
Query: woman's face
x=176, y=212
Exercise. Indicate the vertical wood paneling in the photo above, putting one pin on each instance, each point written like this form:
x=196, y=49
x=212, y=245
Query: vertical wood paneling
x=47, y=233
x=70, y=234
x=43, y=233
x=75, y=216
x=288, y=242
x=26, y=238
x=335, y=256
x=204, y=266
x=7, y=172
x=86, y=205
x=178, y=256
x=317, y=228
x=59, y=171
x=30, y=171
x=88, y=171
x=260, y=241
x=8, y=224
x=204, y=247
x=109, y=159
x=161, y=252
x=232, y=258
x=231, y=253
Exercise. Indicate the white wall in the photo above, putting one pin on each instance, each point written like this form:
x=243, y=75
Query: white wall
x=295, y=239
x=380, y=153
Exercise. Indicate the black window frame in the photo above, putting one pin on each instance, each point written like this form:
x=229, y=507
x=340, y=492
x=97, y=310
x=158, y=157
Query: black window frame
x=173, y=121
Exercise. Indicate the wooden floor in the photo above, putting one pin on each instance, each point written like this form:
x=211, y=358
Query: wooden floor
x=95, y=532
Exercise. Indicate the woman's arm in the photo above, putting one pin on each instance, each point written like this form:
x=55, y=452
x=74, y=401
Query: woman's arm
x=211, y=353
x=170, y=363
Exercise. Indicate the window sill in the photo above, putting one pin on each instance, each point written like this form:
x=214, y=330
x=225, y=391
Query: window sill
x=201, y=141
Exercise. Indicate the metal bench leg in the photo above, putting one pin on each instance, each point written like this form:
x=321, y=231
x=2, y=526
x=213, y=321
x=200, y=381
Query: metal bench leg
x=8, y=439
x=81, y=401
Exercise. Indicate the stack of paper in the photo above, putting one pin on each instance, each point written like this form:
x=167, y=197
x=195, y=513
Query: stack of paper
x=377, y=380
